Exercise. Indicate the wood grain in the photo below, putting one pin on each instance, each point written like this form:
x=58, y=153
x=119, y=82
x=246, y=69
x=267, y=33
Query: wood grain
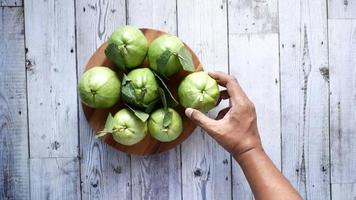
x=105, y=172
x=305, y=96
x=14, y=176
x=149, y=145
x=51, y=78
x=253, y=16
x=343, y=190
x=55, y=178
x=342, y=51
x=148, y=180
x=257, y=55
x=341, y=9
x=205, y=165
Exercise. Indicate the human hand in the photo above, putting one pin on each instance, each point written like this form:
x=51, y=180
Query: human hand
x=235, y=127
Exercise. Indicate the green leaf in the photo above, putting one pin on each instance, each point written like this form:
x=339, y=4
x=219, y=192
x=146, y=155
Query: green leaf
x=167, y=119
x=151, y=106
x=162, y=60
x=163, y=98
x=125, y=79
x=139, y=114
x=185, y=59
x=128, y=90
x=108, y=127
x=101, y=134
x=171, y=101
x=116, y=54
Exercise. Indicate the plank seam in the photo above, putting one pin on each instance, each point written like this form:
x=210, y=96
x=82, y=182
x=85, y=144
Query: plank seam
x=78, y=100
x=11, y=6
x=228, y=70
x=280, y=90
x=329, y=109
x=27, y=110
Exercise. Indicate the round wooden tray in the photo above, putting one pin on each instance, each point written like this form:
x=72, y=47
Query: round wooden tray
x=149, y=145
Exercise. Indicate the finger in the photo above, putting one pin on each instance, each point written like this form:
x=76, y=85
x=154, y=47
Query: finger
x=223, y=95
x=199, y=118
x=233, y=88
x=222, y=113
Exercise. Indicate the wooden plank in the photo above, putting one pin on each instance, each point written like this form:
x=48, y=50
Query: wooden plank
x=206, y=166
x=14, y=177
x=51, y=78
x=305, y=96
x=13, y=3
x=55, y=178
x=345, y=9
x=158, y=14
x=344, y=190
x=342, y=51
x=105, y=172
x=157, y=176
x=253, y=16
x=257, y=56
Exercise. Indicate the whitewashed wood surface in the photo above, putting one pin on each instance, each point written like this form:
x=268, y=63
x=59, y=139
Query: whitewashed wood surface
x=296, y=59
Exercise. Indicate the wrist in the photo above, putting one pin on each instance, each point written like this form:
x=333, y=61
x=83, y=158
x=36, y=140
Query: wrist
x=242, y=156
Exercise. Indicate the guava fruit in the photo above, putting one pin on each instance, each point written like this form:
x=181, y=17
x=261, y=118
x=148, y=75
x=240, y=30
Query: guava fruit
x=127, y=129
x=198, y=90
x=165, y=125
x=168, y=45
x=140, y=88
x=127, y=47
x=99, y=87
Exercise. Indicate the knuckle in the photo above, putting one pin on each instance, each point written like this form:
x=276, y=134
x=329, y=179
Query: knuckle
x=232, y=78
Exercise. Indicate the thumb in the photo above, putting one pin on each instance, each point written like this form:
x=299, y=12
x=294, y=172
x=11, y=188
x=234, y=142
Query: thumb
x=199, y=118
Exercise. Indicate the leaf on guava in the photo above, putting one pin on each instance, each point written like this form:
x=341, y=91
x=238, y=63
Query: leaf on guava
x=128, y=90
x=167, y=119
x=109, y=125
x=108, y=128
x=125, y=79
x=101, y=134
x=116, y=54
x=163, y=98
x=185, y=59
x=171, y=101
x=151, y=106
x=139, y=114
x=162, y=60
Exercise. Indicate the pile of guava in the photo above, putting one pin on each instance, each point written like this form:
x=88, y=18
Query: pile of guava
x=149, y=103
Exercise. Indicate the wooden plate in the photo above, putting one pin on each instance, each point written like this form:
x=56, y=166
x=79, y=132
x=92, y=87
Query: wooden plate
x=149, y=145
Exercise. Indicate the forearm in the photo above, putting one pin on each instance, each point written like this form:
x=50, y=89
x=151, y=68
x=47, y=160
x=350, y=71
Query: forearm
x=265, y=180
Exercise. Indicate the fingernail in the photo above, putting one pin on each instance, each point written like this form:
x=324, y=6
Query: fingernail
x=188, y=112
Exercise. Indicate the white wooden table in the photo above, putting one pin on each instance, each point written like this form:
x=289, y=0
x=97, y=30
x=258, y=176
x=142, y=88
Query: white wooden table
x=296, y=59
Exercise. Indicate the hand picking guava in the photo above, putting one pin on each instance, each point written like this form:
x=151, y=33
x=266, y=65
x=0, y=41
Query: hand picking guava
x=198, y=90
x=165, y=125
x=167, y=55
x=127, y=47
x=99, y=87
x=140, y=88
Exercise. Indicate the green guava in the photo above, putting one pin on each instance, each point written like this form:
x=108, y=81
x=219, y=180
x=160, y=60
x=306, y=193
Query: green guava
x=99, y=87
x=140, y=88
x=127, y=128
x=165, y=129
x=161, y=45
x=127, y=47
x=198, y=90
